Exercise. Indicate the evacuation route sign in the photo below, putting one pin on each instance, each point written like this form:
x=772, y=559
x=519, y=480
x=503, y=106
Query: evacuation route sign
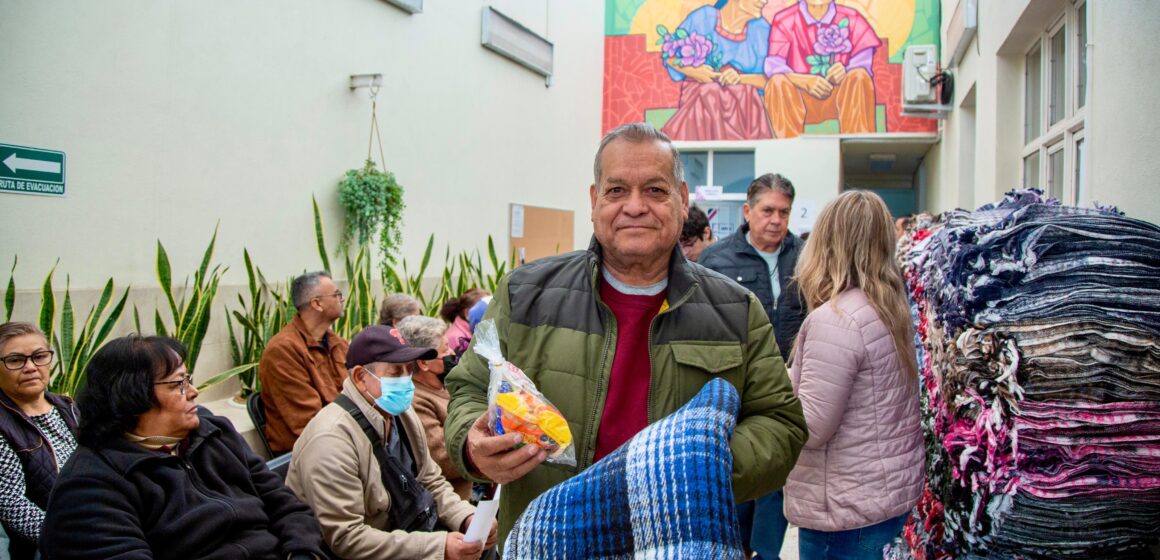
x=31, y=170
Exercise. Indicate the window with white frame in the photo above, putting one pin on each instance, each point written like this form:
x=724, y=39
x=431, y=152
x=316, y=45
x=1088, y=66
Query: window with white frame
x=1054, y=106
x=733, y=171
x=730, y=170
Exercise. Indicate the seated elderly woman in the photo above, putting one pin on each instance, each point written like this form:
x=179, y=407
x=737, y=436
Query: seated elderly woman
x=396, y=307
x=454, y=311
x=37, y=435
x=430, y=400
x=156, y=476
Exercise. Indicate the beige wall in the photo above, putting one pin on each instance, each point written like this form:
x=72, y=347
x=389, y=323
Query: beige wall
x=987, y=117
x=1124, y=134
x=179, y=115
x=176, y=116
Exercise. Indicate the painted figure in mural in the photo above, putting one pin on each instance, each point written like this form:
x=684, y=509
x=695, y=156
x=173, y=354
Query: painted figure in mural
x=719, y=52
x=819, y=68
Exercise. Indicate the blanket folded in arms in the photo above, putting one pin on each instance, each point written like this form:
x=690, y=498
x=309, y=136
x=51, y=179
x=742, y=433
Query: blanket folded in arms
x=666, y=493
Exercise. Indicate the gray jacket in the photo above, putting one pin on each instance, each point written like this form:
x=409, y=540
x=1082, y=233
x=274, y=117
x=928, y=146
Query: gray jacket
x=735, y=258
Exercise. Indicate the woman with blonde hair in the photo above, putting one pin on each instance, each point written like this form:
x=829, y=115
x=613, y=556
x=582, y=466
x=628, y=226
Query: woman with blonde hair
x=854, y=370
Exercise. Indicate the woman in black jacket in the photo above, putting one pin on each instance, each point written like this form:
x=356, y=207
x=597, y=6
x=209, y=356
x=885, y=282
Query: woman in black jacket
x=156, y=476
x=37, y=436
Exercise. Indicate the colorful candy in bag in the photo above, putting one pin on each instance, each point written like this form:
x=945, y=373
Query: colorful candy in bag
x=515, y=405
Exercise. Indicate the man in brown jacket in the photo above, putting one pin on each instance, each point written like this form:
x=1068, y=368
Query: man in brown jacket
x=363, y=464
x=303, y=366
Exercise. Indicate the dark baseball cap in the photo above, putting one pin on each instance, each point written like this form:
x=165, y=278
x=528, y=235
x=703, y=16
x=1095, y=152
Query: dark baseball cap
x=383, y=343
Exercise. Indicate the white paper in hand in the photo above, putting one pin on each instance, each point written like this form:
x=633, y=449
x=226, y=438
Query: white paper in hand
x=484, y=515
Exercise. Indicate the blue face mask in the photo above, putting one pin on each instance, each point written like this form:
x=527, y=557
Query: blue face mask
x=396, y=394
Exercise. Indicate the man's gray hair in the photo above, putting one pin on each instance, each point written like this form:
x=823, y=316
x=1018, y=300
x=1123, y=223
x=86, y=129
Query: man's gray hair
x=636, y=133
x=302, y=288
x=769, y=182
x=422, y=331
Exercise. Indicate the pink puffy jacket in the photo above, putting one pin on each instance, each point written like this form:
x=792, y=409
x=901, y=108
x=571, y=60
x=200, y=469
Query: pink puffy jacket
x=863, y=462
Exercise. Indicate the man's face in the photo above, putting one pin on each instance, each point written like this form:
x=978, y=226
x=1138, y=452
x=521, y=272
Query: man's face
x=693, y=246
x=768, y=219
x=638, y=207
x=328, y=299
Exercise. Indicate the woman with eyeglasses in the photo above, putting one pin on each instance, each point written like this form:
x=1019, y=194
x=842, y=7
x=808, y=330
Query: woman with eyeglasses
x=37, y=435
x=156, y=476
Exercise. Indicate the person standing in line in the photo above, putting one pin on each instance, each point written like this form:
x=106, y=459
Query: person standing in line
x=696, y=234
x=761, y=256
x=855, y=371
x=623, y=334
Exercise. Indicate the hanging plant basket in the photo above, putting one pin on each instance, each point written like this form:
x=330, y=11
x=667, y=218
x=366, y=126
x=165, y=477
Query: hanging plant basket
x=372, y=200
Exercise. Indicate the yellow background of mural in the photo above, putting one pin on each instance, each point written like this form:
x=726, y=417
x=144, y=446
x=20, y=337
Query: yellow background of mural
x=891, y=19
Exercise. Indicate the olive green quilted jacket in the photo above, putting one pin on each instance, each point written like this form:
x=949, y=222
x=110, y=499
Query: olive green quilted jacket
x=553, y=325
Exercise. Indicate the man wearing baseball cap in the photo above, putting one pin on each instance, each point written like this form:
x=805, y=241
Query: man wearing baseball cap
x=362, y=463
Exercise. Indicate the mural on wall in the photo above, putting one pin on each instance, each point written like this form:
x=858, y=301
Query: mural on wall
x=760, y=69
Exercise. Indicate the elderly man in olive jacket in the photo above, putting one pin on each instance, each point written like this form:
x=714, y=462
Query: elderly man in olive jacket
x=623, y=334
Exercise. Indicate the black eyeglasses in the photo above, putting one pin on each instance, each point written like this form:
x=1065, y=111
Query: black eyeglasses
x=337, y=294
x=181, y=383
x=15, y=362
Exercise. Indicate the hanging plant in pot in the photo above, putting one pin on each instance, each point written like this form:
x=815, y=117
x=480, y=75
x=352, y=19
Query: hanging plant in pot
x=372, y=201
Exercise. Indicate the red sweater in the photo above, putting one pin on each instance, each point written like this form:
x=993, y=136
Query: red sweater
x=626, y=406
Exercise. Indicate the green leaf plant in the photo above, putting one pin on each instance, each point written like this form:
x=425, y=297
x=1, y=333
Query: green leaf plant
x=191, y=312
x=74, y=343
x=372, y=202
x=260, y=317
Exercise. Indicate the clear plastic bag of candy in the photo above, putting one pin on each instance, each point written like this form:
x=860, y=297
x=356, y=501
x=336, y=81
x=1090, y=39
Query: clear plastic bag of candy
x=515, y=405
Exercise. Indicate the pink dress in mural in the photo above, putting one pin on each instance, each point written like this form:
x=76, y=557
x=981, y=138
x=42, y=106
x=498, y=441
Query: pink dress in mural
x=802, y=46
x=712, y=111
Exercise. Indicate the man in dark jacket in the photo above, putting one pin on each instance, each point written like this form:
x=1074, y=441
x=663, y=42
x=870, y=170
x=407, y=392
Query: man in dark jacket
x=761, y=250
x=761, y=256
x=623, y=334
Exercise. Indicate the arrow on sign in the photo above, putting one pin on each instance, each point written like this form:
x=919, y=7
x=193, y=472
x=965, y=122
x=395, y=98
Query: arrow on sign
x=17, y=163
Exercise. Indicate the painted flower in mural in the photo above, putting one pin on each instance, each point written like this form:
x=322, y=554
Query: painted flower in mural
x=681, y=48
x=831, y=40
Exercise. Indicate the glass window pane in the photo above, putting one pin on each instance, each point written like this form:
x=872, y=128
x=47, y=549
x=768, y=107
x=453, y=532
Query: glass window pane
x=1032, y=92
x=1058, y=75
x=1081, y=46
x=696, y=168
x=1079, y=181
x=1031, y=171
x=733, y=170
x=1055, y=174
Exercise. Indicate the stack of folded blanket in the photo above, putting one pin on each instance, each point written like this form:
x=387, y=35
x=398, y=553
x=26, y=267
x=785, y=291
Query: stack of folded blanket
x=1039, y=357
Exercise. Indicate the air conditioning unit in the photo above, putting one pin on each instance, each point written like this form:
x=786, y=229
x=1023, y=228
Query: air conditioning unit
x=919, y=66
x=920, y=74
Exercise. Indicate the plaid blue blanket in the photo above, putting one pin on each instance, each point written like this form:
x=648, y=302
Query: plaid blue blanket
x=664, y=494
